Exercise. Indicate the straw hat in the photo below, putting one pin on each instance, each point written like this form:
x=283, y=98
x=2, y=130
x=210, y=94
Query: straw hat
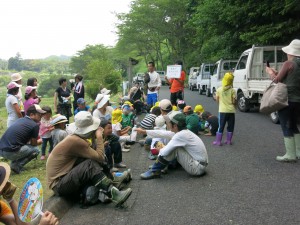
x=58, y=119
x=4, y=174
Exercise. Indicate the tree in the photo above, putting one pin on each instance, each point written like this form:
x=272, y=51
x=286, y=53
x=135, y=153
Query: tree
x=15, y=63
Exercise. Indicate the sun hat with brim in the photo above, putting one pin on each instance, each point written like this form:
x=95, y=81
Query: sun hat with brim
x=102, y=102
x=29, y=89
x=12, y=85
x=104, y=91
x=179, y=119
x=85, y=123
x=293, y=48
x=16, y=77
x=4, y=174
x=58, y=119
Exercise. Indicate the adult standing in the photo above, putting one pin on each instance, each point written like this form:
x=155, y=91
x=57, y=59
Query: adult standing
x=20, y=140
x=63, y=94
x=176, y=86
x=290, y=75
x=16, y=77
x=32, y=81
x=153, y=85
x=12, y=103
x=78, y=90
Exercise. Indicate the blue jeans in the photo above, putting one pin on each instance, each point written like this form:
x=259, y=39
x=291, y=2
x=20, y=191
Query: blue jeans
x=24, y=152
x=228, y=118
x=288, y=119
x=44, y=145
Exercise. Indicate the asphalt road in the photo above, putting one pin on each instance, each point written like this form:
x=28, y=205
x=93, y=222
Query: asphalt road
x=244, y=183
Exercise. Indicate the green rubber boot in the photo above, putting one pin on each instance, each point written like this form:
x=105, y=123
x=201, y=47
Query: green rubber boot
x=297, y=143
x=290, y=147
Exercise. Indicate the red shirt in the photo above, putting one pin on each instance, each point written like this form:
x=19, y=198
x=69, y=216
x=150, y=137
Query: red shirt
x=176, y=85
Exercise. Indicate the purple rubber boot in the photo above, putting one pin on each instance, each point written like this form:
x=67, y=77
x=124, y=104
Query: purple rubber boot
x=229, y=137
x=218, y=140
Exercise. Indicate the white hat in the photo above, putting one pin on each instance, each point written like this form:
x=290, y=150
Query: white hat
x=102, y=101
x=293, y=48
x=172, y=114
x=85, y=123
x=104, y=91
x=165, y=104
x=58, y=119
x=15, y=77
x=160, y=122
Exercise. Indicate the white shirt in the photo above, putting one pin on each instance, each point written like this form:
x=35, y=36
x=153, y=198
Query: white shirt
x=12, y=115
x=154, y=81
x=187, y=140
x=106, y=116
x=115, y=128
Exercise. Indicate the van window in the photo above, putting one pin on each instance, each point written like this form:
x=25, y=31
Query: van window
x=229, y=65
x=242, y=63
x=281, y=56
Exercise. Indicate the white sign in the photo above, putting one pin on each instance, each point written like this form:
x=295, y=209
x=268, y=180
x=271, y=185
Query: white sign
x=174, y=71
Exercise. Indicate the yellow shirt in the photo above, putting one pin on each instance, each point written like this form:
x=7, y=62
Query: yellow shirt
x=225, y=100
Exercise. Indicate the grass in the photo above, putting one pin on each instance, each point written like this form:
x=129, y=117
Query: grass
x=36, y=168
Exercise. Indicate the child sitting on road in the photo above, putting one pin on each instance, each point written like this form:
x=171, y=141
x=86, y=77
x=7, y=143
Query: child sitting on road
x=58, y=133
x=192, y=119
x=149, y=121
x=199, y=110
x=127, y=116
x=180, y=105
x=211, y=123
x=81, y=103
x=45, y=131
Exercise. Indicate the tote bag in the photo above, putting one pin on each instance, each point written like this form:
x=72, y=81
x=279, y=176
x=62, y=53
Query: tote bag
x=275, y=97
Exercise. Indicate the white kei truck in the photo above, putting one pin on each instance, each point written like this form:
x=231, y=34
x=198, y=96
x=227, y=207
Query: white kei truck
x=220, y=68
x=203, y=77
x=194, y=71
x=250, y=77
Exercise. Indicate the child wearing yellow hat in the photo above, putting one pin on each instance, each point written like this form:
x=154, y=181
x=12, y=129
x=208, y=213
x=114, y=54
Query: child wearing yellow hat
x=226, y=98
x=199, y=110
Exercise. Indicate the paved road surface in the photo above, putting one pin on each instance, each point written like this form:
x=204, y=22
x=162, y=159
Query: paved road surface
x=244, y=184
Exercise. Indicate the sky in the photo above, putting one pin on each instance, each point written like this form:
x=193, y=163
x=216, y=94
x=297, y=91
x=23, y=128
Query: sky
x=40, y=28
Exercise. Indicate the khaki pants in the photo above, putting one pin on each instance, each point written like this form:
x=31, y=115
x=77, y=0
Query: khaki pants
x=190, y=165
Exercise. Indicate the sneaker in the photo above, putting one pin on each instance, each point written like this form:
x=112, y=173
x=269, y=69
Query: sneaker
x=150, y=175
x=125, y=150
x=120, y=165
x=114, y=169
x=43, y=157
x=127, y=146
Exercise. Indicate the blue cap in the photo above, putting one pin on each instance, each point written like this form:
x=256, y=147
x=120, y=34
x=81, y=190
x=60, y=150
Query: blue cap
x=80, y=101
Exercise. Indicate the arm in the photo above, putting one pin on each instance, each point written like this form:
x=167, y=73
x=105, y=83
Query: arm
x=14, y=207
x=125, y=130
x=17, y=109
x=279, y=76
x=48, y=218
x=173, y=144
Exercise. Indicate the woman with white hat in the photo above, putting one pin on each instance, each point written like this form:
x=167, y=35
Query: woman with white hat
x=103, y=111
x=290, y=75
x=12, y=103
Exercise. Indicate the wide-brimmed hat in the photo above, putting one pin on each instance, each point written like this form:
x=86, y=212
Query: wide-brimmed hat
x=104, y=91
x=293, y=48
x=102, y=101
x=29, y=89
x=12, y=85
x=16, y=77
x=85, y=123
x=165, y=104
x=4, y=174
x=58, y=119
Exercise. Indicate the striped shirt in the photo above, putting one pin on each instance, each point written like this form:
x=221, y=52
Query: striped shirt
x=148, y=122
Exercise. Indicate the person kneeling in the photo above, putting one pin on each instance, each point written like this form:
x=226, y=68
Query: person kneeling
x=186, y=147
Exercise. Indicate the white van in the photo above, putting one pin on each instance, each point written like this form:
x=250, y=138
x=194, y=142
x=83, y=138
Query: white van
x=194, y=71
x=162, y=75
x=250, y=77
x=203, y=77
x=220, y=68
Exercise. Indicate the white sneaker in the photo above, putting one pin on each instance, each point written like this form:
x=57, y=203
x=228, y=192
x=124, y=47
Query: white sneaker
x=125, y=149
x=127, y=146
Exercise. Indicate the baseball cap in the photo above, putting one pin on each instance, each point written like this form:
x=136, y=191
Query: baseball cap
x=179, y=119
x=80, y=101
x=165, y=104
x=187, y=109
x=12, y=85
x=29, y=89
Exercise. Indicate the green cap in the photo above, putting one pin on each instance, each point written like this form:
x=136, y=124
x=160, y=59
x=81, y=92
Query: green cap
x=179, y=119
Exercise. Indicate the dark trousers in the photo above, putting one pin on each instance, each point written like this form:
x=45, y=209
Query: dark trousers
x=288, y=119
x=88, y=172
x=228, y=118
x=176, y=96
x=44, y=145
x=113, y=153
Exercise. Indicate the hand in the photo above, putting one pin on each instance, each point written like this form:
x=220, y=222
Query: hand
x=8, y=191
x=140, y=130
x=48, y=219
x=106, y=143
x=39, y=141
x=272, y=72
x=99, y=133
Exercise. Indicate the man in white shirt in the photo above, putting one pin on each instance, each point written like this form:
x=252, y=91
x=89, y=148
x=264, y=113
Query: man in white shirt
x=184, y=146
x=153, y=85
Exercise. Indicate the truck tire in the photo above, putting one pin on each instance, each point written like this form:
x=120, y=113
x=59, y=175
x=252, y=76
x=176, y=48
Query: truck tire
x=207, y=93
x=274, y=117
x=200, y=91
x=192, y=88
x=214, y=94
x=242, y=102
